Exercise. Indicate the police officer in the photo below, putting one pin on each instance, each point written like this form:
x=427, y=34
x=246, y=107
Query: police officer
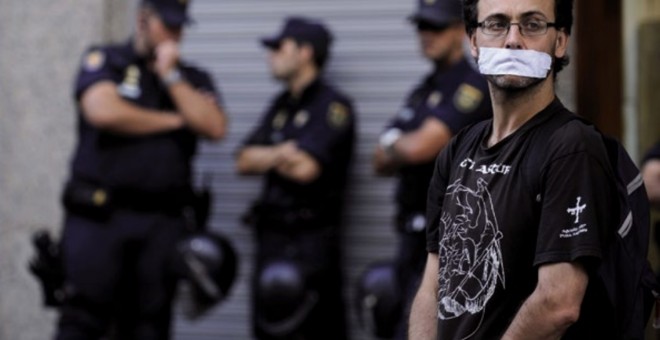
x=141, y=111
x=302, y=147
x=451, y=97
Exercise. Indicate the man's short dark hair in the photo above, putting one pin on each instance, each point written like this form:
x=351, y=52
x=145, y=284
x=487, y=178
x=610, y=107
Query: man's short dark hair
x=320, y=55
x=563, y=20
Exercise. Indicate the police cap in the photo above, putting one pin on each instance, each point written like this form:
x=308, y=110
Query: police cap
x=438, y=12
x=302, y=30
x=174, y=13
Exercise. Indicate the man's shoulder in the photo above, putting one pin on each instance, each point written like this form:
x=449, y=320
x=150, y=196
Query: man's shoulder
x=329, y=93
x=472, y=76
x=99, y=57
x=575, y=136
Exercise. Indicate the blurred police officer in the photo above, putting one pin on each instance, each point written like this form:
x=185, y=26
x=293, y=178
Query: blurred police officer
x=451, y=97
x=303, y=147
x=141, y=111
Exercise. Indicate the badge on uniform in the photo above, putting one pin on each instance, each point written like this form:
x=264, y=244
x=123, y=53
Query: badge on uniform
x=434, y=99
x=94, y=60
x=337, y=115
x=467, y=98
x=279, y=120
x=130, y=87
x=301, y=118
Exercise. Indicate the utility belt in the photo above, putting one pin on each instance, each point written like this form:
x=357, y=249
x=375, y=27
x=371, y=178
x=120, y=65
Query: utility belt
x=411, y=222
x=99, y=201
x=285, y=219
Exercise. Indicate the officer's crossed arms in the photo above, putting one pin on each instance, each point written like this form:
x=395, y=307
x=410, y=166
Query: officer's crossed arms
x=285, y=158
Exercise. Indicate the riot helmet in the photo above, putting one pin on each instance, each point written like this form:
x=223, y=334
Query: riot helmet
x=283, y=298
x=208, y=262
x=378, y=300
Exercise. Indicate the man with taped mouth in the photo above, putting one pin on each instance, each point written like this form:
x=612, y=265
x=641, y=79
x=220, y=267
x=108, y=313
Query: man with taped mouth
x=511, y=252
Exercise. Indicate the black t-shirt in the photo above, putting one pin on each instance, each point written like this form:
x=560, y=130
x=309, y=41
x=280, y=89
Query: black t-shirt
x=458, y=97
x=149, y=163
x=492, y=229
x=322, y=123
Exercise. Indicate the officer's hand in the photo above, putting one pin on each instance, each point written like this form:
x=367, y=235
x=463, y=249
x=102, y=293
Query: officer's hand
x=167, y=57
x=383, y=163
x=286, y=155
x=287, y=149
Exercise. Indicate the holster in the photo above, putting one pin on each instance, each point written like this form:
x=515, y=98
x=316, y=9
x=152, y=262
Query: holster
x=46, y=266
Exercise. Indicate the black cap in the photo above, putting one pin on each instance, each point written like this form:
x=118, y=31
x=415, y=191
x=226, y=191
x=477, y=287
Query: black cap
x=302, y=30
x=438, y=12
x=172, y=12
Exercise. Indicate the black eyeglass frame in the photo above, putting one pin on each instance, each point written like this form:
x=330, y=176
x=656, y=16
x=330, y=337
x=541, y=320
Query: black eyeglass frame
x=481, y=26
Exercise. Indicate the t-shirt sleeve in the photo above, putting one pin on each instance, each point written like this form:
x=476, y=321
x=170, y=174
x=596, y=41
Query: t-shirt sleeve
x=578, y=200
x=95, y=67
x=326, y=130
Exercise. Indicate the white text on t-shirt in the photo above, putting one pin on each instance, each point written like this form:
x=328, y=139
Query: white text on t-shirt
x=486, y=168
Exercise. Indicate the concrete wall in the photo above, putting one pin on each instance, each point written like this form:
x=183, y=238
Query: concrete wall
x=40, y=46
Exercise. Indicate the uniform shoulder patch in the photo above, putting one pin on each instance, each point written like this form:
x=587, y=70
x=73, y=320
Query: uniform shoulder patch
x=94, y=60
x=467, y=98
x=337, y=114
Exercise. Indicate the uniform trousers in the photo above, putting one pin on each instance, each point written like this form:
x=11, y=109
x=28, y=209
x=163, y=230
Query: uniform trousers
x=118, y=273
x=317, y=252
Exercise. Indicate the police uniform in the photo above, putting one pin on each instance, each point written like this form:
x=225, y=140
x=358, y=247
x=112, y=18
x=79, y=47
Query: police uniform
x=457, y=96
x=300, y=222
x=124, y=203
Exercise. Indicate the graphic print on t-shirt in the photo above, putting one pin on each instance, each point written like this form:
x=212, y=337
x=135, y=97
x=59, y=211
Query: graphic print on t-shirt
x=470, y=252
x=581, y=228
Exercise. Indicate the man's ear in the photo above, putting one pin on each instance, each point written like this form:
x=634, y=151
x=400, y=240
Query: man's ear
x=307, y=52
x=474, y=50
x=561, y=44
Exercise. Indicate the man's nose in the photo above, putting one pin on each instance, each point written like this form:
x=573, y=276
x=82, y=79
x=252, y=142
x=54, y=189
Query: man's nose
x=514, y=38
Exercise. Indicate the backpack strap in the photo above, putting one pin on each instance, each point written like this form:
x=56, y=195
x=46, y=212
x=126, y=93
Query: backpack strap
x=534, y=161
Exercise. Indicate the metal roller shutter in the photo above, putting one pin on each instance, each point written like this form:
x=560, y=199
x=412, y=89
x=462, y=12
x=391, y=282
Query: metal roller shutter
x=374, y=60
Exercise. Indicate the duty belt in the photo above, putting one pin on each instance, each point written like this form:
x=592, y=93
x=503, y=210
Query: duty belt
x=291, y=219
x=95, y=199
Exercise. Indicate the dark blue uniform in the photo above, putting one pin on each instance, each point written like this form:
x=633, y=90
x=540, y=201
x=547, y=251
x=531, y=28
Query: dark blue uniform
x=300, y=222
x=124, y=205
x=457, y=97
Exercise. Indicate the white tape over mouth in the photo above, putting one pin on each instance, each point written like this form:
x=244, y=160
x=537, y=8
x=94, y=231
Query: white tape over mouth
x=505, y=61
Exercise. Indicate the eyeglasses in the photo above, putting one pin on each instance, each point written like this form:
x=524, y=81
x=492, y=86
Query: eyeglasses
x=528, y=27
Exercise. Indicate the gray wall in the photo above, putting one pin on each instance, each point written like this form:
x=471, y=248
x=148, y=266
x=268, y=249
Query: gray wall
x=40, y=45
x=375, y=61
